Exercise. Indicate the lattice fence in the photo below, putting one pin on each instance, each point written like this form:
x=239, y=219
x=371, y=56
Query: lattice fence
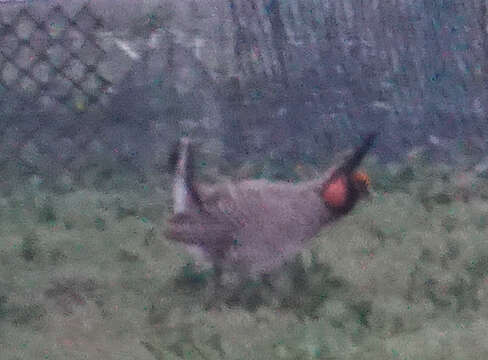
x=54, y=60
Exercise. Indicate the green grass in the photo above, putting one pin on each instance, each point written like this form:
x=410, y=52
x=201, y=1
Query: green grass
x=88, y=274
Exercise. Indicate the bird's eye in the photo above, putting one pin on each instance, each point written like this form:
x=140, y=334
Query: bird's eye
x=361, y=179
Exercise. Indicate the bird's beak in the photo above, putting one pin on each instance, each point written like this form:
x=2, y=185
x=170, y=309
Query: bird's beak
x=367, y=195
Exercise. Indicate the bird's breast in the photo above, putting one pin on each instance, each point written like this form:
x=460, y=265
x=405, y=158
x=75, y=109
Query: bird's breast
x=274, y=223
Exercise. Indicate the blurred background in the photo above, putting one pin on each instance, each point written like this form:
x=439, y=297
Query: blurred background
x=94, y=95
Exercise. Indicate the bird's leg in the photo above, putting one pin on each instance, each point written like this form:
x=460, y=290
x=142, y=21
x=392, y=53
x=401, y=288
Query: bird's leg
x=220, y=286
x=215, y=290
x=218, y=272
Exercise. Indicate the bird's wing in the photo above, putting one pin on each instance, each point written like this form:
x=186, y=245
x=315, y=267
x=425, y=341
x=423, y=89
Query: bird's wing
x=211, y=227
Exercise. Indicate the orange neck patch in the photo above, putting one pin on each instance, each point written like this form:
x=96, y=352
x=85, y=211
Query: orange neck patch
x=335, y=193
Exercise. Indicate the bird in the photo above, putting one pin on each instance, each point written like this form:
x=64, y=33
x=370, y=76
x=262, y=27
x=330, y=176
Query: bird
x=253, y=226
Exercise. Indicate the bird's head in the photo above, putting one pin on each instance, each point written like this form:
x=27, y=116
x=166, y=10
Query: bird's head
x=345, y=186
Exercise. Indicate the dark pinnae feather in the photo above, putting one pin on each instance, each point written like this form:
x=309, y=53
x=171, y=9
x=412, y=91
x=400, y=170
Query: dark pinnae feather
x=353, y=162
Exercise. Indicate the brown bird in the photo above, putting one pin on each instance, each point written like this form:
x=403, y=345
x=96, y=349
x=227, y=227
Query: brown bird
x=255, y=225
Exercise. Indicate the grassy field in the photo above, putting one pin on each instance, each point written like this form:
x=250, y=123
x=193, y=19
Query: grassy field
x=87, y=274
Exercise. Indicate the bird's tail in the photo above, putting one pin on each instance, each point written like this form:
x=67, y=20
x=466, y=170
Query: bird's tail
x=185, y=196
